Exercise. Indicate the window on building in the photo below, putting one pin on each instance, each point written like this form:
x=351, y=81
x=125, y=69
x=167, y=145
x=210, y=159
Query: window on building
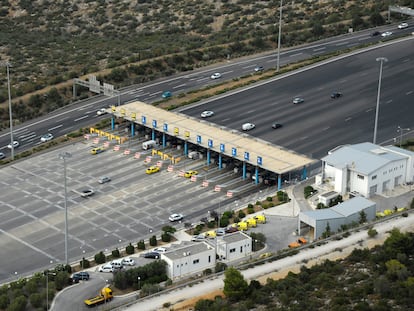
x=360, y=177
x=374, y=177
x=241, y=249
x=196, y=261
x=209, y=258
x=232, y=250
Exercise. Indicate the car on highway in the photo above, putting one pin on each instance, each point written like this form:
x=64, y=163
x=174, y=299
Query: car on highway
x=15, y=144
x=402, y=25
x=175, y=217
x=298, y=100
x=101, y=111
x=166, y=94
x=87, y=193
x=46, y=137
x=152, y=255
x=198, y=238
x=336, y=95
x=190, y=173
x=375, y=33
x=152, y=170
x=104, y=179
x=2, y=155
x=276, y=125
x=215, y=75
x=128, y=261
x=78, y=276
x=386, y=34
x=258, y=68
x=207, y=114
x=106, y=268
x=97, y=150
x=248, y=126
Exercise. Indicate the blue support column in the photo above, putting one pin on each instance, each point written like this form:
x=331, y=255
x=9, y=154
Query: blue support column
x=185, y=148
x=164, y=143
x=208, y=157
x=112, y=123
x=257, y=175
x=244, y=170
x=279, y=182
x=220, y=162
x=132, y=129
x=153, y=134
x=304, y=173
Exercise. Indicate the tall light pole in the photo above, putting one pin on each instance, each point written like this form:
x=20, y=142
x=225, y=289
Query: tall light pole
x=381, y=60
x=47, y=288
x=401, y=130
x=64, y=156
x=279, y=37
x=8, y=65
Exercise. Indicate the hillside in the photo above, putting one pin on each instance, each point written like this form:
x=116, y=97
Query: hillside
x=49, y=42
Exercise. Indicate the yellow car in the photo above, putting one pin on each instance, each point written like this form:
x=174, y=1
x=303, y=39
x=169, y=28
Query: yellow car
x=97, y=150
x=188, y=174
x=152, y=169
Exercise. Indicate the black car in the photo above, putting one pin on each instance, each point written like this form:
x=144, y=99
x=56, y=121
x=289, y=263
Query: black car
x=83, y=275
x=336, y=95
x=276, y=125
x=375, y=33
x=152, y=255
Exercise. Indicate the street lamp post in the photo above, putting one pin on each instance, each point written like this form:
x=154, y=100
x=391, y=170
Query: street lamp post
x=279, y=37
x=64, y=156
x=401, y=131
x=47, y=288
x=8, y=65
x=83, y=258
x=381, y=60
x=139, y=283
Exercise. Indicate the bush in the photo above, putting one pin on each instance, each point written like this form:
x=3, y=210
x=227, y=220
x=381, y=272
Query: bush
x=250, y=205
x=241, y=214
x=141, y=245
x=270, y=199
x=129, y=249
x=36, y=300
x=250, y=210
x=153, y=241
x=84, y=263
x=100, y=258
x=220, y=266
x=207, y=271
x=165, y=237
x=372, y=232
x=308, y=191
x=116, y=253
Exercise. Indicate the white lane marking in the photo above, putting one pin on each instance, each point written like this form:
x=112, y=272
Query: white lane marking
x=319, y=49
x=247, y=67
x=342, y=43
x=178, y=86
x=294, y=55
x=369, y=110
x=155, y=94
x=409, y=92
x=25, y=135
x=389, y=101
x=28, y=137
x=81, y=118
x=326, y=128
x=56, y=127
x=347, y=119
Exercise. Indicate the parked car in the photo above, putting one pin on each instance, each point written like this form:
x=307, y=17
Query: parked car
x=87, y=193
x=152, y=170
x=104, y=179
x=216, y=75
x=160, y=250
x=46, y=137
x=231, y=229
x=176, y=217
x=97, y=150
x=15, y=144
x=128, y=261
x=248, y=126
x=82, y=275
x=101, y=111
x=402, y=25
x=207, y=113
x=2, y=155
x=298, y=100
x=198, y=238
x=152, y=255
x=336, y=95
x=258, y=68
x=220, y=231
x=386, y=34
x=106, y=268
x=276, y=125
x=190, y=173
x=166, y=94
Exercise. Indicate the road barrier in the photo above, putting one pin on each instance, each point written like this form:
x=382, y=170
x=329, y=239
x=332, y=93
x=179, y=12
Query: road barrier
x=181, y=173
x=193, y=178
x=217, y=188
x=148, y=159
x=205, y=183
x=229, y=194
x=127, y=152
x=170, y=168
x=117, y=147
x=96, y=140
x=106, y=144
x=159, y=164
x=137, y=155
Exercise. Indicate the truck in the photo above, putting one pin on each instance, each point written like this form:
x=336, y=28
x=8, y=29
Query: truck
x=301, y=241
x=104, y=295
x=149, y=144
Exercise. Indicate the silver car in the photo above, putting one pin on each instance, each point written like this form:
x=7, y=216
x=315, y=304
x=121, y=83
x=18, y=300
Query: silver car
x=104, y=179
x=298, y=100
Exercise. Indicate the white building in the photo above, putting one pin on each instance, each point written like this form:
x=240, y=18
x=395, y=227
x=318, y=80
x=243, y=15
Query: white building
x=187, y=259
x=367, y=169
x=234, y=246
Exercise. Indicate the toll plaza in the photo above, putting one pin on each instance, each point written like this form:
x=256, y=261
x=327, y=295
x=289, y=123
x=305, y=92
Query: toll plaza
x=216, y=140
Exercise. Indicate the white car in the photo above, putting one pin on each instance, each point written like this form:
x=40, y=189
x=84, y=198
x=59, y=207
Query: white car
x=207, y=113
x=15, y=144
x=216, y=75
x=106, y=268
x=101, y=111
x=386, y=34
x=198, y=238
x=87, y=193
x=298, y=100
x=159, y=250
x=248, y=126
x=176, y=217
x=2, y=155
x=46, y=137
x=402, y=25
x=104, y=179
x=128, y=261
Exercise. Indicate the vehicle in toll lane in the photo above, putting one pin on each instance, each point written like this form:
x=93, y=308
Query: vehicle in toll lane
x=152, y=170
x=190, y=173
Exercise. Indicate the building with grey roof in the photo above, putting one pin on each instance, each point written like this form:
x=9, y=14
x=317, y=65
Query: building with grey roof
x=342, y=214
x=367, y=169
x=188, y=259
x=234, y=246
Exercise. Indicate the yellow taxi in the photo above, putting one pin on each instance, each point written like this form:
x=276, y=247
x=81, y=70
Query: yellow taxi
x=211, y=234
x=152, y=170
x=188, y=174
x=97, y=150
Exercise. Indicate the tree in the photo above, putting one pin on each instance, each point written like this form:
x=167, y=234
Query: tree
x=362, y=217
x=235, y=286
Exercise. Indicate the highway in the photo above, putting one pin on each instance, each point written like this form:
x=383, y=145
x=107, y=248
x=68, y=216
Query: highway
x=83, y=113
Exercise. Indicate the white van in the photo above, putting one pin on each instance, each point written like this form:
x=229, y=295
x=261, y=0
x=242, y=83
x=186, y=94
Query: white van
x=194, y=155
x=149, y=144
x=117, y=264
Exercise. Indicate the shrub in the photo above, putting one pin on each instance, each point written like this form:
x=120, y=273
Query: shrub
x=241, y=214
x=129, y=249
x=100, y=258
x=250, y=210
x=207, y=271
x=405, y=214
x=258, y=203
x=165, y=237
x=271, y=204
x=220, y=266
x=270, y=199
x=372, y=232
x=115, y=253
x=153, y=241
x=141, y=245
x=250, y=205
x=84, y=263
